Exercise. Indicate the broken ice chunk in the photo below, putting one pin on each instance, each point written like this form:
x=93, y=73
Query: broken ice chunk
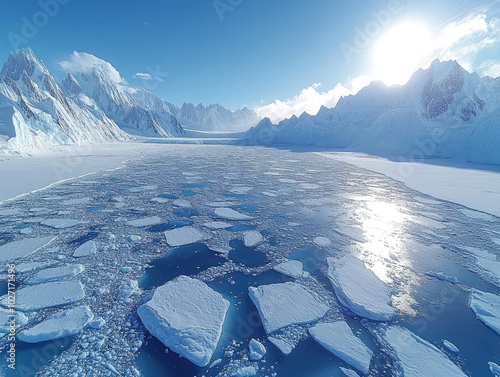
x=184, y=236
x=61, y=324
x=292, y=268
x=187, y=316
x=284, y=304
x=62, y=223
x=322, y=241
x=230, y=214
x=88, y=248
x=140, y=223
x=486, y=307
x=22, y=248
x=257, y=350
x=252, y=238
x=54, y=274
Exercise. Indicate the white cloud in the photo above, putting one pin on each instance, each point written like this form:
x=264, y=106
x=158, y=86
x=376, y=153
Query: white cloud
x=461, y=40
x=81, y=62
x=143, y=76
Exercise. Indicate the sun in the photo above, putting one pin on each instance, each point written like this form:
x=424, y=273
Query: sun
x=398, y=53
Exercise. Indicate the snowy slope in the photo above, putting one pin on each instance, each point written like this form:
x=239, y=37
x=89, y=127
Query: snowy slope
x=441, y=112
x=216, y=118
x=36, y=115
x=136, y=110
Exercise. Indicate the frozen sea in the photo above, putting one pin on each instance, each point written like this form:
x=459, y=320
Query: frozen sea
x=429, y=253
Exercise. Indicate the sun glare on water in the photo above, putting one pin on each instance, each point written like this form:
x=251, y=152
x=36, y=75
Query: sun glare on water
x=398, y=52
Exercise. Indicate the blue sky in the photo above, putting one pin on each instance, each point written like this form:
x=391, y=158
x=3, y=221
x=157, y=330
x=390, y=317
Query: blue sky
x=253, y=52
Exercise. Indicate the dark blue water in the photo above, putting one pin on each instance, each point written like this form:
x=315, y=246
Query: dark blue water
x=241, y=228
x=84, y=238
x=4, y=287
x=167, y=196
x=188, y=193
x=96, y=208
x=248, y=207
x=246, y=256
x=197, y=185
x=184, y=260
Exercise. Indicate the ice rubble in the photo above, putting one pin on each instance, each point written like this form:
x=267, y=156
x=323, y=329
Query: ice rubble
x=292, y=268
x=64, y=323
x=184, y=236
x=337, y=337
x=187, y=316
x=47, y=295
x=140, y=223
x=230, y=214
x=247, y=371
x=61, y=223
x=359, y=289
x=486, y=307
x=54, y=274
x=284, y=304
x=442, y=276
x=19, y=249
x=86, y=249
x=256, y=349
x=417, y=357
x=252, y=238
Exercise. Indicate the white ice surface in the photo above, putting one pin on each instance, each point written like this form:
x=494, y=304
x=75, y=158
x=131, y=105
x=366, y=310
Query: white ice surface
x=252, y=238
x=217, y=225
x=284, y=304
x=338, y=338
x=465, y=184
x=450, y=346
x=322, y=241
x=494, y=368
x=57, y=273
x=349, y=372
x=230, y=214
x=61, y=223
x=292, y=268
x=86, y=249
x=6, y=315
x=19, y=249
x=359, y=289
x=486, y=307
x=187, y=316
x=147, y=221
x=61, y=324
x=47, y=295
x=282, y=345
x=184, y=236
x=417, y=357
x=256, y=349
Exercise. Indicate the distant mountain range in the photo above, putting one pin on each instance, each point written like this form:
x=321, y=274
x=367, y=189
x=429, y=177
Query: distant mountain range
x=92, y=105
x=442, y=112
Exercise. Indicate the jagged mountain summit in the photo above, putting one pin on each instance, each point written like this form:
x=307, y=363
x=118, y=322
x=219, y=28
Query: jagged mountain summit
x=136, y=110
x=443, y=111
x=35, y=114
x=216, y=118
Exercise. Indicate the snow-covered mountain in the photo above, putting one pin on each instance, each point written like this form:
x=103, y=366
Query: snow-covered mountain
x=442, y=111
x=36, y=115
x=216, y=118
x=136, y=110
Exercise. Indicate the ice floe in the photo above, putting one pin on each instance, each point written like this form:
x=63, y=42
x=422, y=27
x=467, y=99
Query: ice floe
x=256, y=349
x=182, y=203
x=417, y=357
x=230, y=214
x=338, y=338
x=450, y=346
x=292, y=268
x=24, y=267
x=147, y=221
x=19, y=249
x=322, y=241
x=64, y=323
x=47, y=295
x=285, y=346
x=486, y=307
x=187, y=316
x=54, y=274
x=359, y=289
x=61, y=223
x=217, y=225
x=442, y=276
x=86, y=249
x=252, y=238
x=6, y=315
x=184, y=236
x=284, y=304
x=494, y=368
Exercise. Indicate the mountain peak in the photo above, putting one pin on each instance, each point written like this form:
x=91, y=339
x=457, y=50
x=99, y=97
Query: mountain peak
x=21, y=61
